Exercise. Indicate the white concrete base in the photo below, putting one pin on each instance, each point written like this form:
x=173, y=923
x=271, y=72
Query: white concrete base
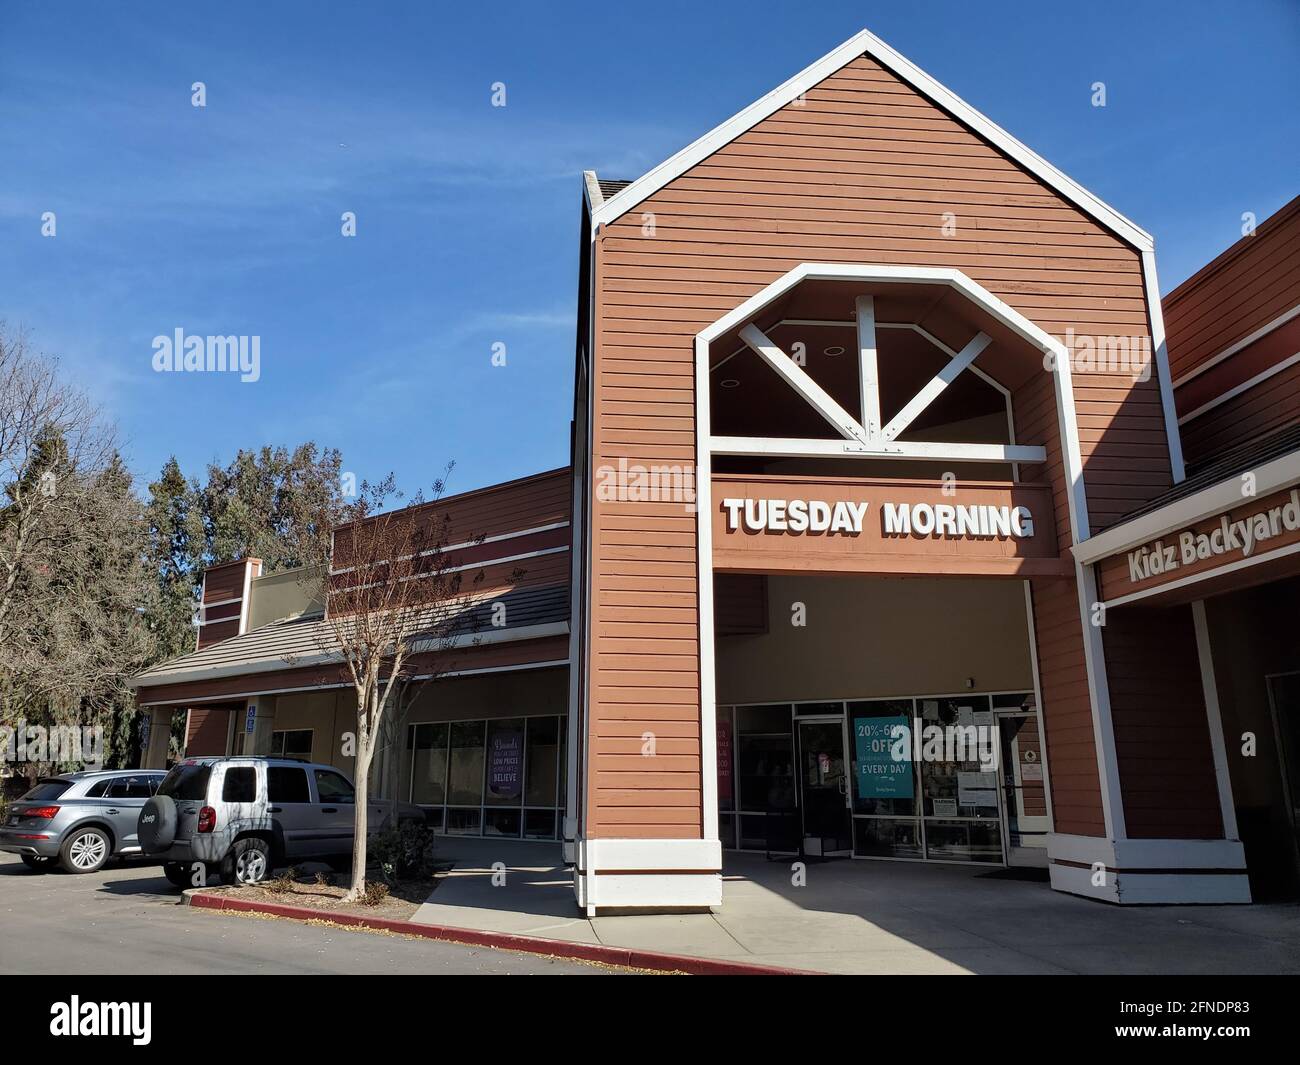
x=647, y=875
x=1149, y=871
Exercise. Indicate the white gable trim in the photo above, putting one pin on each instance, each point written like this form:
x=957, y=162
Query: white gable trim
x=867, y=43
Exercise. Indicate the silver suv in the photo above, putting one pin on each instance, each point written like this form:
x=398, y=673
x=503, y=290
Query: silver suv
x=240, y=817
x=79, y=820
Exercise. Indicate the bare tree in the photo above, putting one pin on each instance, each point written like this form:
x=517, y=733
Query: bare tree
x=54, y=446
x=398, y=607
x=73, y=581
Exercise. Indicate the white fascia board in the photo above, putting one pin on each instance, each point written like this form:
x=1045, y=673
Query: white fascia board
x=867, y=43
x=795, y=447
x=1160, y=352
x=1215, y=499
x=273, y=665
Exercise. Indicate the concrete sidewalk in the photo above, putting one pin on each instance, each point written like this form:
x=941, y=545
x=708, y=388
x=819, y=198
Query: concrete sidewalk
x=872, y=917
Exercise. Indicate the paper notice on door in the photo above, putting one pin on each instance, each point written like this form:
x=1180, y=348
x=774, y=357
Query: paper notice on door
x=945, y=807
x=977, y=789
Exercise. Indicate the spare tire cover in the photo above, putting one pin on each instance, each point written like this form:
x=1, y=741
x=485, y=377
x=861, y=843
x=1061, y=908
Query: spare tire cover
x=157, y=825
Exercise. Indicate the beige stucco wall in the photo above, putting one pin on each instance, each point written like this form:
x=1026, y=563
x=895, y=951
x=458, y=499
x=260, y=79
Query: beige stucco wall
x=868, y=637
x=282, y=595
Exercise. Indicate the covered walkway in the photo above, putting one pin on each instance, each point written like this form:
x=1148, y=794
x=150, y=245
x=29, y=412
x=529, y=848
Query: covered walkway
x=873, y=917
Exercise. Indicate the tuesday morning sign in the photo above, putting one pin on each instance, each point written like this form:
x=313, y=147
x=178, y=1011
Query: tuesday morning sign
x=767, y=524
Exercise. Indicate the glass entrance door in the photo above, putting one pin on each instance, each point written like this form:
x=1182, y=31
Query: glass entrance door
x=824, y=787
x=1024, y=797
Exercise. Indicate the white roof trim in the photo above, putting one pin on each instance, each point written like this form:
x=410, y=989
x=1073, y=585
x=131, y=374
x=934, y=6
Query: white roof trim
x=867, y=43
x=1214, y=499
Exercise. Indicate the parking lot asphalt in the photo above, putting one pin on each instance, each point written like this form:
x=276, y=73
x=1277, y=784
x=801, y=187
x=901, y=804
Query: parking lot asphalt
x=127, y=919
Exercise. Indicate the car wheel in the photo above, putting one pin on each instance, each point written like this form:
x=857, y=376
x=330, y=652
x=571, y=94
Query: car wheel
x=248, y=863
x=179, y=873
x=36, y=861
x=85, y=851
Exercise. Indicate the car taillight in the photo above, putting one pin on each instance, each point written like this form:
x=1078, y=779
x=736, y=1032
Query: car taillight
x=39, y=811
x=207, y=819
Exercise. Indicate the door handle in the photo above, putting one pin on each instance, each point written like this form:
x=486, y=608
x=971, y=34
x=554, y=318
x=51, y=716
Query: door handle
x=275, y=810
x=329, y=809
x=112, y=811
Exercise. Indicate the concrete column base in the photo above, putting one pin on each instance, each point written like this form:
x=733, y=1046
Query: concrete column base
x=647, y=875
x=1147, y=871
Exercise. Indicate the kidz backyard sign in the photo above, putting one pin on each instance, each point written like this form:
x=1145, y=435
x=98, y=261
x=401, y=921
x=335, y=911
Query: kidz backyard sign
x=774, y=524
x=1256, y=531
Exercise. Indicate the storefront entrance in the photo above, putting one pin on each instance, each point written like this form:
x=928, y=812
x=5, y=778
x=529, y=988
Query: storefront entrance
x=824, y=787
x=823, y=779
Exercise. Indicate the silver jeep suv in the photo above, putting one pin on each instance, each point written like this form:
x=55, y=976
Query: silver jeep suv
x=240, y=817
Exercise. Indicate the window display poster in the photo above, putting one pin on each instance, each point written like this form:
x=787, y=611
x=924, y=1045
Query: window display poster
x=879, y=776
x=724, y=760
x=505, y=763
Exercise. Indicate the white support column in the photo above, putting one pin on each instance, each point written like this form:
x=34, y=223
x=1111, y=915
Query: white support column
x=1214, y=720
x=868, y=366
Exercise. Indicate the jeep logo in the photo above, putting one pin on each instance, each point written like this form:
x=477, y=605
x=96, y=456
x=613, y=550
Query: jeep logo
x=147, y=819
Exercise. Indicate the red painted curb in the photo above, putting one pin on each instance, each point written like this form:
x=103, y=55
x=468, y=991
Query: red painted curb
x=625, y=956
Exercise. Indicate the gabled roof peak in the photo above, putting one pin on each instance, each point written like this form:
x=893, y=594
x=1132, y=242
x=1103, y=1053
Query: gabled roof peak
x=611, y=206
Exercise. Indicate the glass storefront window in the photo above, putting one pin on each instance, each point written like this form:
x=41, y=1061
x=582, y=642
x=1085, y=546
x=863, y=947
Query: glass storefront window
x=542, y=764
x=958, y=787
x=461, y=822
x=500, y=777
x=502, y=822
x=429, y=764
x=465, y=776
x=945, y=807
x=766, y=779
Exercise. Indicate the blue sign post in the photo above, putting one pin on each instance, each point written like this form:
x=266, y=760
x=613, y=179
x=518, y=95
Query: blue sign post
x=879, y=775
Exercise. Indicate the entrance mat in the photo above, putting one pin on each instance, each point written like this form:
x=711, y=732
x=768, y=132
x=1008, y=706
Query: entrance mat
x=1038, y=876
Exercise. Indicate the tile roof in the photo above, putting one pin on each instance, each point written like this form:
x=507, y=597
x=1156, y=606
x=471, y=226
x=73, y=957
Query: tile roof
x=308, y=639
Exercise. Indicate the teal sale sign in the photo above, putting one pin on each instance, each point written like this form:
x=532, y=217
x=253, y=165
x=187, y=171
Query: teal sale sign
x=879, y=775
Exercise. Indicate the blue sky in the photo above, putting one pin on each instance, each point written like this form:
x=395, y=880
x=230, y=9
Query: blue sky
x=226, y=219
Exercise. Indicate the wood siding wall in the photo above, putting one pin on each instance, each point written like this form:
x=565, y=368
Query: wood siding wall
x=1162, y=738
x=1245, y=288
x=861, y=170
x=208, y=731
x=221, y=583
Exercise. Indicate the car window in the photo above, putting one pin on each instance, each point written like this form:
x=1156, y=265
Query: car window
x=239, y=785
x=129, y=788
x=187, y=782
x=97, y=789
x=333, y=787
x=286, y=784
x=48, y=789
